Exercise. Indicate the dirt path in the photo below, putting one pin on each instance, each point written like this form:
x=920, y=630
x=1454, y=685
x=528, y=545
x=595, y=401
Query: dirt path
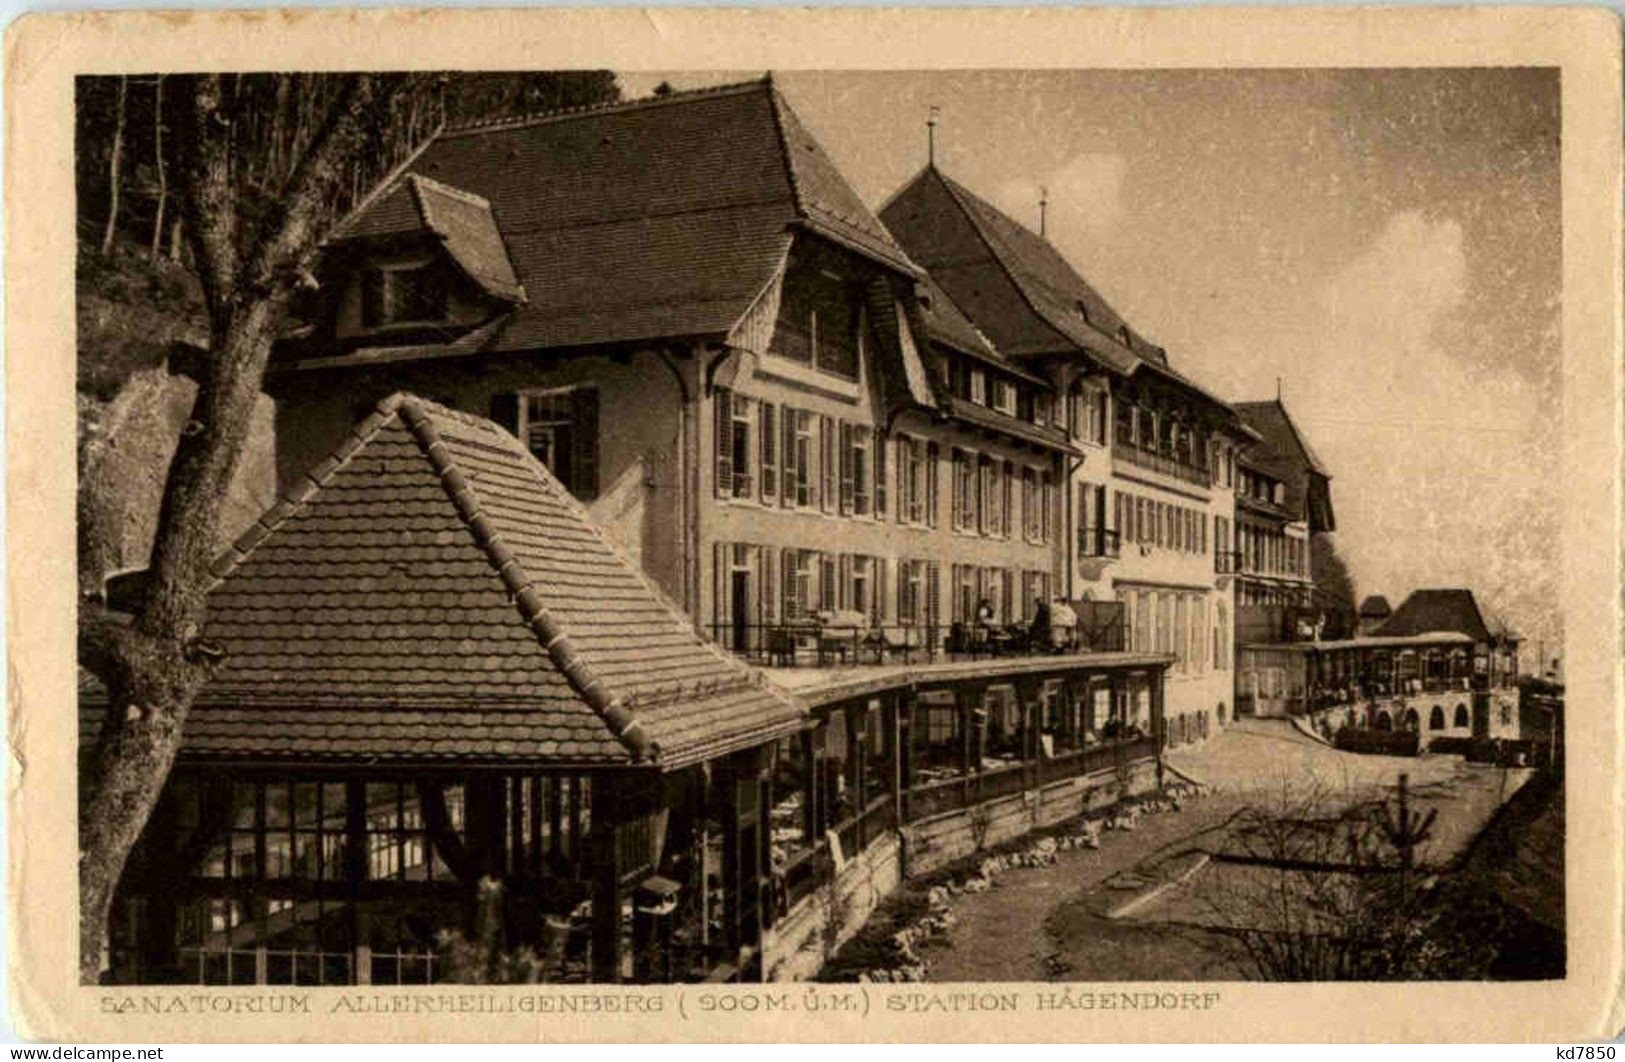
x=1034, y=926
x=1001, y=934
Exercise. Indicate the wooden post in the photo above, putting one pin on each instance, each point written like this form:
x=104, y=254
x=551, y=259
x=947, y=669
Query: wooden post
x=606, y=883
x=355, y=859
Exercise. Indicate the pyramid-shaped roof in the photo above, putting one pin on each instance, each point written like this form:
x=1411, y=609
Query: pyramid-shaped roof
x=656, y=218
x=432, y=593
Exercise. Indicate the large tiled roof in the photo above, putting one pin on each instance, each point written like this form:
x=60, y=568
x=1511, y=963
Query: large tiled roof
x=658, y=218
x=1425, y=611
x=431, y=593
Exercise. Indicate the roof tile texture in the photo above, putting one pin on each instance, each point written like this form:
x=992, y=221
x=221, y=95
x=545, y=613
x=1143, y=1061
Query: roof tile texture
x=373, y=621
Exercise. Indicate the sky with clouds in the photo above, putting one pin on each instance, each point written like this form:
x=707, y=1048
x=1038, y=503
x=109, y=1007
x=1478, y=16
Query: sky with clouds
x=1386, y=242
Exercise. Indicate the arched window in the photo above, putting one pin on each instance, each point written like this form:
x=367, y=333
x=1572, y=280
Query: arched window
x=1436, y=720
x=1461, y=716
x=1412, y=720
x=1384, y=721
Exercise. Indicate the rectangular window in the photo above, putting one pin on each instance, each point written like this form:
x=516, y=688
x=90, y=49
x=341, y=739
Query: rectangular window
x=963, y=487
x=1126, y=420
x=829, y=587
x=1043, y=409
x=978, y=387
x=911, y=470
x=806, y=483
x=1007, y=499
x=768, y=415
x=408, y=294
x=862, y=473
x=988, y=497
x=744, y=412
x=560, y=427
x=1029, y=504
x=859, y=598
x=1004, y=397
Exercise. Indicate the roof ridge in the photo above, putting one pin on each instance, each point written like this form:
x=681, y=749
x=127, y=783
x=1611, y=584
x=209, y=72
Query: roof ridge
x=484, y=125
x=560, y=648
x=776, y=100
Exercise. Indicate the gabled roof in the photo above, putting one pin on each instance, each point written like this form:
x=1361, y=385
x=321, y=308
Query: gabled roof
x=1425, y=611
x=461, y=220
x=658, y=218
x=432, y=593
x=1376, y=607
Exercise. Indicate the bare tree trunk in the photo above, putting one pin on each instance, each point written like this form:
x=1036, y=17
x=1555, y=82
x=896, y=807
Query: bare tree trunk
x=114, y=166
x=154, y=667
x=175, y=240
x=158, y=157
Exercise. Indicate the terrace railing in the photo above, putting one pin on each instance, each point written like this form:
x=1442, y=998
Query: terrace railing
x=1163, y=463
x=812, y=644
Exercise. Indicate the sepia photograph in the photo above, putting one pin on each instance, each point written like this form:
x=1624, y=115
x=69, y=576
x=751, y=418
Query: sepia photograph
x=855, y=525
x=814, y=526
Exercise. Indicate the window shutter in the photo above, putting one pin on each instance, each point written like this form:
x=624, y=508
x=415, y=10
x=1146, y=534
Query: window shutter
x=790, y=603
x=769, y=431
x=826, y=463
x=847, y=461
x=932, y=454
x=905, y=609
x=933, y=594
x=770, y=586
x=584, y=412
x=787, y=492
x=505, y=410
x=719, y=590
x=723, y=409
x=879, y=448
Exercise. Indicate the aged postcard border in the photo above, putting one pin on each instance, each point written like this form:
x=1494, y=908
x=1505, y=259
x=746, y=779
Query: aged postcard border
x=44, y=53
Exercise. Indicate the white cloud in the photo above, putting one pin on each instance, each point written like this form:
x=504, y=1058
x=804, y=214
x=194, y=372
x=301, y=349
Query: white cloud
x=1467, y=500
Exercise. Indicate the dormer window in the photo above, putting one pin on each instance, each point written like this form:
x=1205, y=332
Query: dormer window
x=820, y=320
x=412, y=293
